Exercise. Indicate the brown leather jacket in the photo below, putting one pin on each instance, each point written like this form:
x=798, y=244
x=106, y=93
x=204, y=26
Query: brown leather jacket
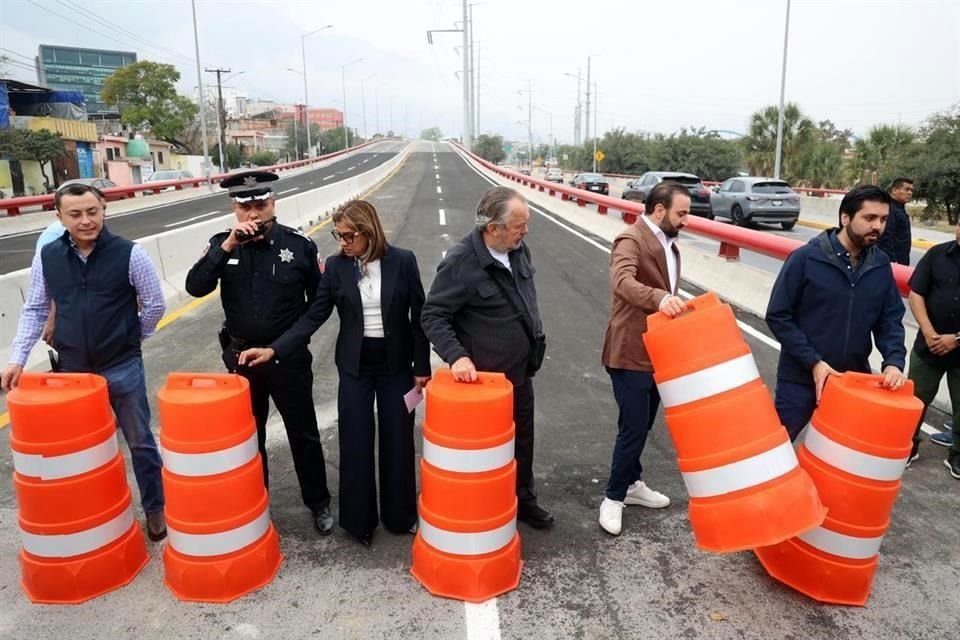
x=638, y=282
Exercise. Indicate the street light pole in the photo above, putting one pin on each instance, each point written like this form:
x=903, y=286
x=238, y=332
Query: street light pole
x=596, y=131
x=587, y=123
x=343, y=80
x=203, y=97
x=577, y=111
x=467, y=124
x=306, y=98
x=363, y=101
x=783, y=82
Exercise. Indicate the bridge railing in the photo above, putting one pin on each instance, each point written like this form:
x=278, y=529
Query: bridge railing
x=732, y=239
x=14, y=205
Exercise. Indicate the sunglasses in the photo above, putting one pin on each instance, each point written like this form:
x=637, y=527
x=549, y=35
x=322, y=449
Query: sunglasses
x=347, y=237
x=259, y=205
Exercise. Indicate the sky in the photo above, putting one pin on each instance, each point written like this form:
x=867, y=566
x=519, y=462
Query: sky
x=658, y=66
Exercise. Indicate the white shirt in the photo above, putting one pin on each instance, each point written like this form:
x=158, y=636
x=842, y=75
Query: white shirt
x=502, y=258
x=369, y=286
x=667, y=244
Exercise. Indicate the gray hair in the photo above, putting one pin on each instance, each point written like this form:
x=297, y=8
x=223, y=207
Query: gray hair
x=495, y=205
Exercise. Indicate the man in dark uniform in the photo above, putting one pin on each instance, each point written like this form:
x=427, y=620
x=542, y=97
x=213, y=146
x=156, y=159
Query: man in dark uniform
x=268, y=275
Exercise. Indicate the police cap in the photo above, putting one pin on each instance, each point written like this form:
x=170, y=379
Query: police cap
x=250, y=185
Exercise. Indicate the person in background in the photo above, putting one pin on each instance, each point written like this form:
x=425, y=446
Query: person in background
x=644, y=279
x=381, y=354
x=96, y=280
x=934, y=289
x=482, y=315
x=268, y=274
x=896, y=240
x=53, y=231
x=831, y=295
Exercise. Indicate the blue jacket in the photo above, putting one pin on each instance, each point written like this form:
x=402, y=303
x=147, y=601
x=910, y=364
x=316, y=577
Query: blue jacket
x=821, y=310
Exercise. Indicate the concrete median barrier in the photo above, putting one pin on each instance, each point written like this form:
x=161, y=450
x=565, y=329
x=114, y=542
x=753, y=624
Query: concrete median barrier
x=174, y=252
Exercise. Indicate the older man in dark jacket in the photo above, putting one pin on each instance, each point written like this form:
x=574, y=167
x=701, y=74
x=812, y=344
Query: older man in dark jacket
x=831, y=294
x=481, y=314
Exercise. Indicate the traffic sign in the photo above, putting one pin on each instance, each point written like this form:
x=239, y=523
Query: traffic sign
x=598, y=156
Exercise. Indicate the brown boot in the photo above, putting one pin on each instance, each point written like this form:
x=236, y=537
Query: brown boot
x=156, y=526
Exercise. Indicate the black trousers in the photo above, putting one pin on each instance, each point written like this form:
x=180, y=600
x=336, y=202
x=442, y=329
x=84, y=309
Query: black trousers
x=358, y=484
x=290, y=384
x=523, y=446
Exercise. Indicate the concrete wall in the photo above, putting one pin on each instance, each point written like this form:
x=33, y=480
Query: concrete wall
x=174, y=252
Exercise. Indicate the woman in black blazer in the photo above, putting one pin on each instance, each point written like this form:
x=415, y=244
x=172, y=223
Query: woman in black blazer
x=381, y=352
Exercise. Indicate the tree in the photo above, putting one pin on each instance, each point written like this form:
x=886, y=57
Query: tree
x=146, y=95
x=332, y=139
x=696, y=151
x=760, y=143
x=300, y=139
x=263, y=158
x=875, y=156
x=233, y=154
x=43, y=146
x=820, y=165
x=433, y=133
x=490, y=148
x=934, y=164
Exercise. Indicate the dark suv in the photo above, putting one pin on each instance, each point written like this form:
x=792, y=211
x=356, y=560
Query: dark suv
x=699, y=195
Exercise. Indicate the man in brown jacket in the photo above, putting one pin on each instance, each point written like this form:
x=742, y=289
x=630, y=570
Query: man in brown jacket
x=644, y=278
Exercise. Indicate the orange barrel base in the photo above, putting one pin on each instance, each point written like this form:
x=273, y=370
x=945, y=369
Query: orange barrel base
x=822, y=576
x=469, y=578
x=759, y=516
x=81, y=578
x=223, y=578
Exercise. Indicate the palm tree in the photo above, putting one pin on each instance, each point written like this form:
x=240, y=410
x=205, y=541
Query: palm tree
x=760, y=143
x=875, y=155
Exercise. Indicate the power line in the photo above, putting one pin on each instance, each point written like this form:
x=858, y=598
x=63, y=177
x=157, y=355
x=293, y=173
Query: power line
x=17, y=53
x=99, y=33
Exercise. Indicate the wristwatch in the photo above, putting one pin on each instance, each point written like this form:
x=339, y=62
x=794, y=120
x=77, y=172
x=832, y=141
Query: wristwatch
x=956, y=336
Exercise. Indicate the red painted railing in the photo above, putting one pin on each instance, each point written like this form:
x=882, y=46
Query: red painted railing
x=13, y=205
x=732, y=239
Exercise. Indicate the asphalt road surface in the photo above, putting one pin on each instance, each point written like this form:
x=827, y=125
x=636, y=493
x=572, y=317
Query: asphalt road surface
x=577, y=582
x=16, y=251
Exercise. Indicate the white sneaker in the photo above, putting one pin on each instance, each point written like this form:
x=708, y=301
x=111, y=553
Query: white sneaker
x=639, y=493
x=611, y=516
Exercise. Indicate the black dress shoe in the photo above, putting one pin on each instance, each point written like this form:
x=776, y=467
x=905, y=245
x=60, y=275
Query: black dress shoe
x=323, y=521
x=535, y=516
x=366, y=539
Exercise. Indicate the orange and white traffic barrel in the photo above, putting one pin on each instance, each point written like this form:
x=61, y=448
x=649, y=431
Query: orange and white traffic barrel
x=221, y=542
x=467, y=546
x=745, y=485
x=79, y=535
x=855, y=449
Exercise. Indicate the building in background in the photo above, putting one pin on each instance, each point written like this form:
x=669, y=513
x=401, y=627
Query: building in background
x=83, y=70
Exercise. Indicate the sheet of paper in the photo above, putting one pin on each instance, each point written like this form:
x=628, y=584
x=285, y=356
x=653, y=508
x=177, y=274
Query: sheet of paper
x=413, y=398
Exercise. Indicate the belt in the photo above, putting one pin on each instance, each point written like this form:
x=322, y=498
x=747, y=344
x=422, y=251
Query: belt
x=241, y=344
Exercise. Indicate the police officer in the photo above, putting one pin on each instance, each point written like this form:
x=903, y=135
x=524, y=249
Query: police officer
x=268, y=275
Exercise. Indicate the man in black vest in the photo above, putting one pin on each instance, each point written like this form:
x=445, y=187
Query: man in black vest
x=268, y=274
x=108, y=300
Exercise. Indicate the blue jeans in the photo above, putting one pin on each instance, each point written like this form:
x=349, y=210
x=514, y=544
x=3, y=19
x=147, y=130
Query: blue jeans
x=126, y=384
x=795, y=403
x=638, y=400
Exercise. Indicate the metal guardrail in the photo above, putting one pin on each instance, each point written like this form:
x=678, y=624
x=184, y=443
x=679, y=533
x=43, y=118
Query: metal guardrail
x=13, y=205
x=732, y=239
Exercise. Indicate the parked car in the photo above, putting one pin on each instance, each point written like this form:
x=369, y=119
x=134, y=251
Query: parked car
x=525, y=171
x=699, y=195
x=98, y=183
x=756, y=199
x=591, y=182
x=168, y=174
x=554, y=174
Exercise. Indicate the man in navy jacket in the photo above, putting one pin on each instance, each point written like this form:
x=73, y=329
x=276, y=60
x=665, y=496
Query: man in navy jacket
x=830, y=296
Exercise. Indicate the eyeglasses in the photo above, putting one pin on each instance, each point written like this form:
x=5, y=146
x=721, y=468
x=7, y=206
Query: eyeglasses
x=347, y=237
x=259, y=205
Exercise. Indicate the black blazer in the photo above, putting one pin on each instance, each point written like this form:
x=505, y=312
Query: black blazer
x=401, y=296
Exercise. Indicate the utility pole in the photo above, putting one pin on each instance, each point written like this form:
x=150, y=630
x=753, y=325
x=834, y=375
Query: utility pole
x=530, y=124
x=296, y=135
x=587, y=119
x=783, y=83
x=472, y=73
x=596, y=132
x=578, y=125
x=376, y=100
x=467, y=120
x=221, y=117
x=476, y=95
x=203, y=98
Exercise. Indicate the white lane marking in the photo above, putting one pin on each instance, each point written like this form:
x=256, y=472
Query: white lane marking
x=443, y=254
x=351, y=168
x=436, y=177
x=443, y=217
x=482, y=620
x=746, y=328
x=436, y=167
x=289, y=190
x=328, y=177
x=439, y=190
x=203, y=215
x=365, y=160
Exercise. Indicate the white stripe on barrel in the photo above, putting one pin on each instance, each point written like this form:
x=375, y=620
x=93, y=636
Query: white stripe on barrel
x=67, y=545
x=467, y=460
x=709, y=382
x=217, y=544
x=858, y=463
x=842, y=545
x=741, y=474
x=212, y=463
x=467, y=544
x=69, y=464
